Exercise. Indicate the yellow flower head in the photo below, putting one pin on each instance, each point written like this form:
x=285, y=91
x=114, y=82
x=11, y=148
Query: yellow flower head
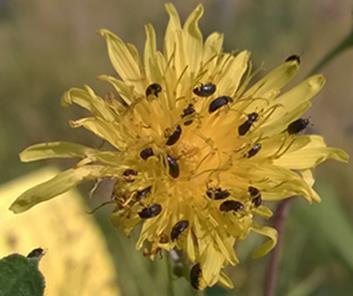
x=197, y=147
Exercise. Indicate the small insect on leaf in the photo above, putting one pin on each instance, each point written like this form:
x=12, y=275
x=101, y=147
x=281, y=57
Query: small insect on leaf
x=19, y=275
x=36, y=253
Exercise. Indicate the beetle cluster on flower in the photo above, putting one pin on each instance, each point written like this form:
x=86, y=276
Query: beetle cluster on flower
x=197, y=149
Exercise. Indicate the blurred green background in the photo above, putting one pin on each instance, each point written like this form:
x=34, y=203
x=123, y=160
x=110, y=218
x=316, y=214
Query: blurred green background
x=50, y=46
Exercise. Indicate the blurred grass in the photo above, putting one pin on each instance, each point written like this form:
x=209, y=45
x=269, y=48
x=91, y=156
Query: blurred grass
x=49, y=46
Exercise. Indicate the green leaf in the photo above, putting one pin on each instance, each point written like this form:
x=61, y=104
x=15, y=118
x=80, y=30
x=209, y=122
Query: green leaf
x=330, y=222
x=20, y=276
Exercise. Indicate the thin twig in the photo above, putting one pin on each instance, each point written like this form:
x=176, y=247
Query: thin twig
x=272, y=268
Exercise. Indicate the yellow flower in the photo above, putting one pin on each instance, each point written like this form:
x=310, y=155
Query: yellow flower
x=195, y=149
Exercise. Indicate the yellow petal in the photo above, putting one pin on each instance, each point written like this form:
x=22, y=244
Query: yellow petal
x=269, y=244
x=55, y=150
x=263, y=212
x=302, y=92
x=105, y=130
x=193, y=39
x=280, y=143
x=56, y=186
x=296, y=97
x=190, y=247
x=174, y=41
x=87, y=99
x=273, y=81
x=277, y=183
x=272, y=127
x=124, y=90
x=152, y=69
x=311, y=155
x=211, y=264
x=212, y=48
x=123, y=59
x=225, y=246
x=232, y=73
x=225, y=281
x=173, y=27
x=308, y=177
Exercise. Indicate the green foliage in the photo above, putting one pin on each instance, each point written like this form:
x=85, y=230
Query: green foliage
x=19, y=276
x=331, y=224
x=317, y=257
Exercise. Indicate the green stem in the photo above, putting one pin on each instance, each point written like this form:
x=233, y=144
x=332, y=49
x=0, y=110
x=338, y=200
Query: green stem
x=346, y=43
x=170, y=275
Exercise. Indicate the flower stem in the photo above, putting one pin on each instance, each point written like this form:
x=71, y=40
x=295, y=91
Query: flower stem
x=170, y=274
x=346, y=43
x=279, y=219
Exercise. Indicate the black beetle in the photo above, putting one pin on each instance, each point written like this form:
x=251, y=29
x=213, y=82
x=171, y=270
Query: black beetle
x=153, y=89
x=174, y=137
x=217, y=193
x=218, y=103
x=188, y=111
x=255, y=195
x=146, y=153
x=130, y=172
x=297, y=126
x=253, y=151
x=244, y=127
x=205, y=90
x=293, y=57
x=195, y=274
x=231, y=205
x=141, y=194
x=178, y=228
x=151, y=211
x=36, y=253
x=173, y=166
